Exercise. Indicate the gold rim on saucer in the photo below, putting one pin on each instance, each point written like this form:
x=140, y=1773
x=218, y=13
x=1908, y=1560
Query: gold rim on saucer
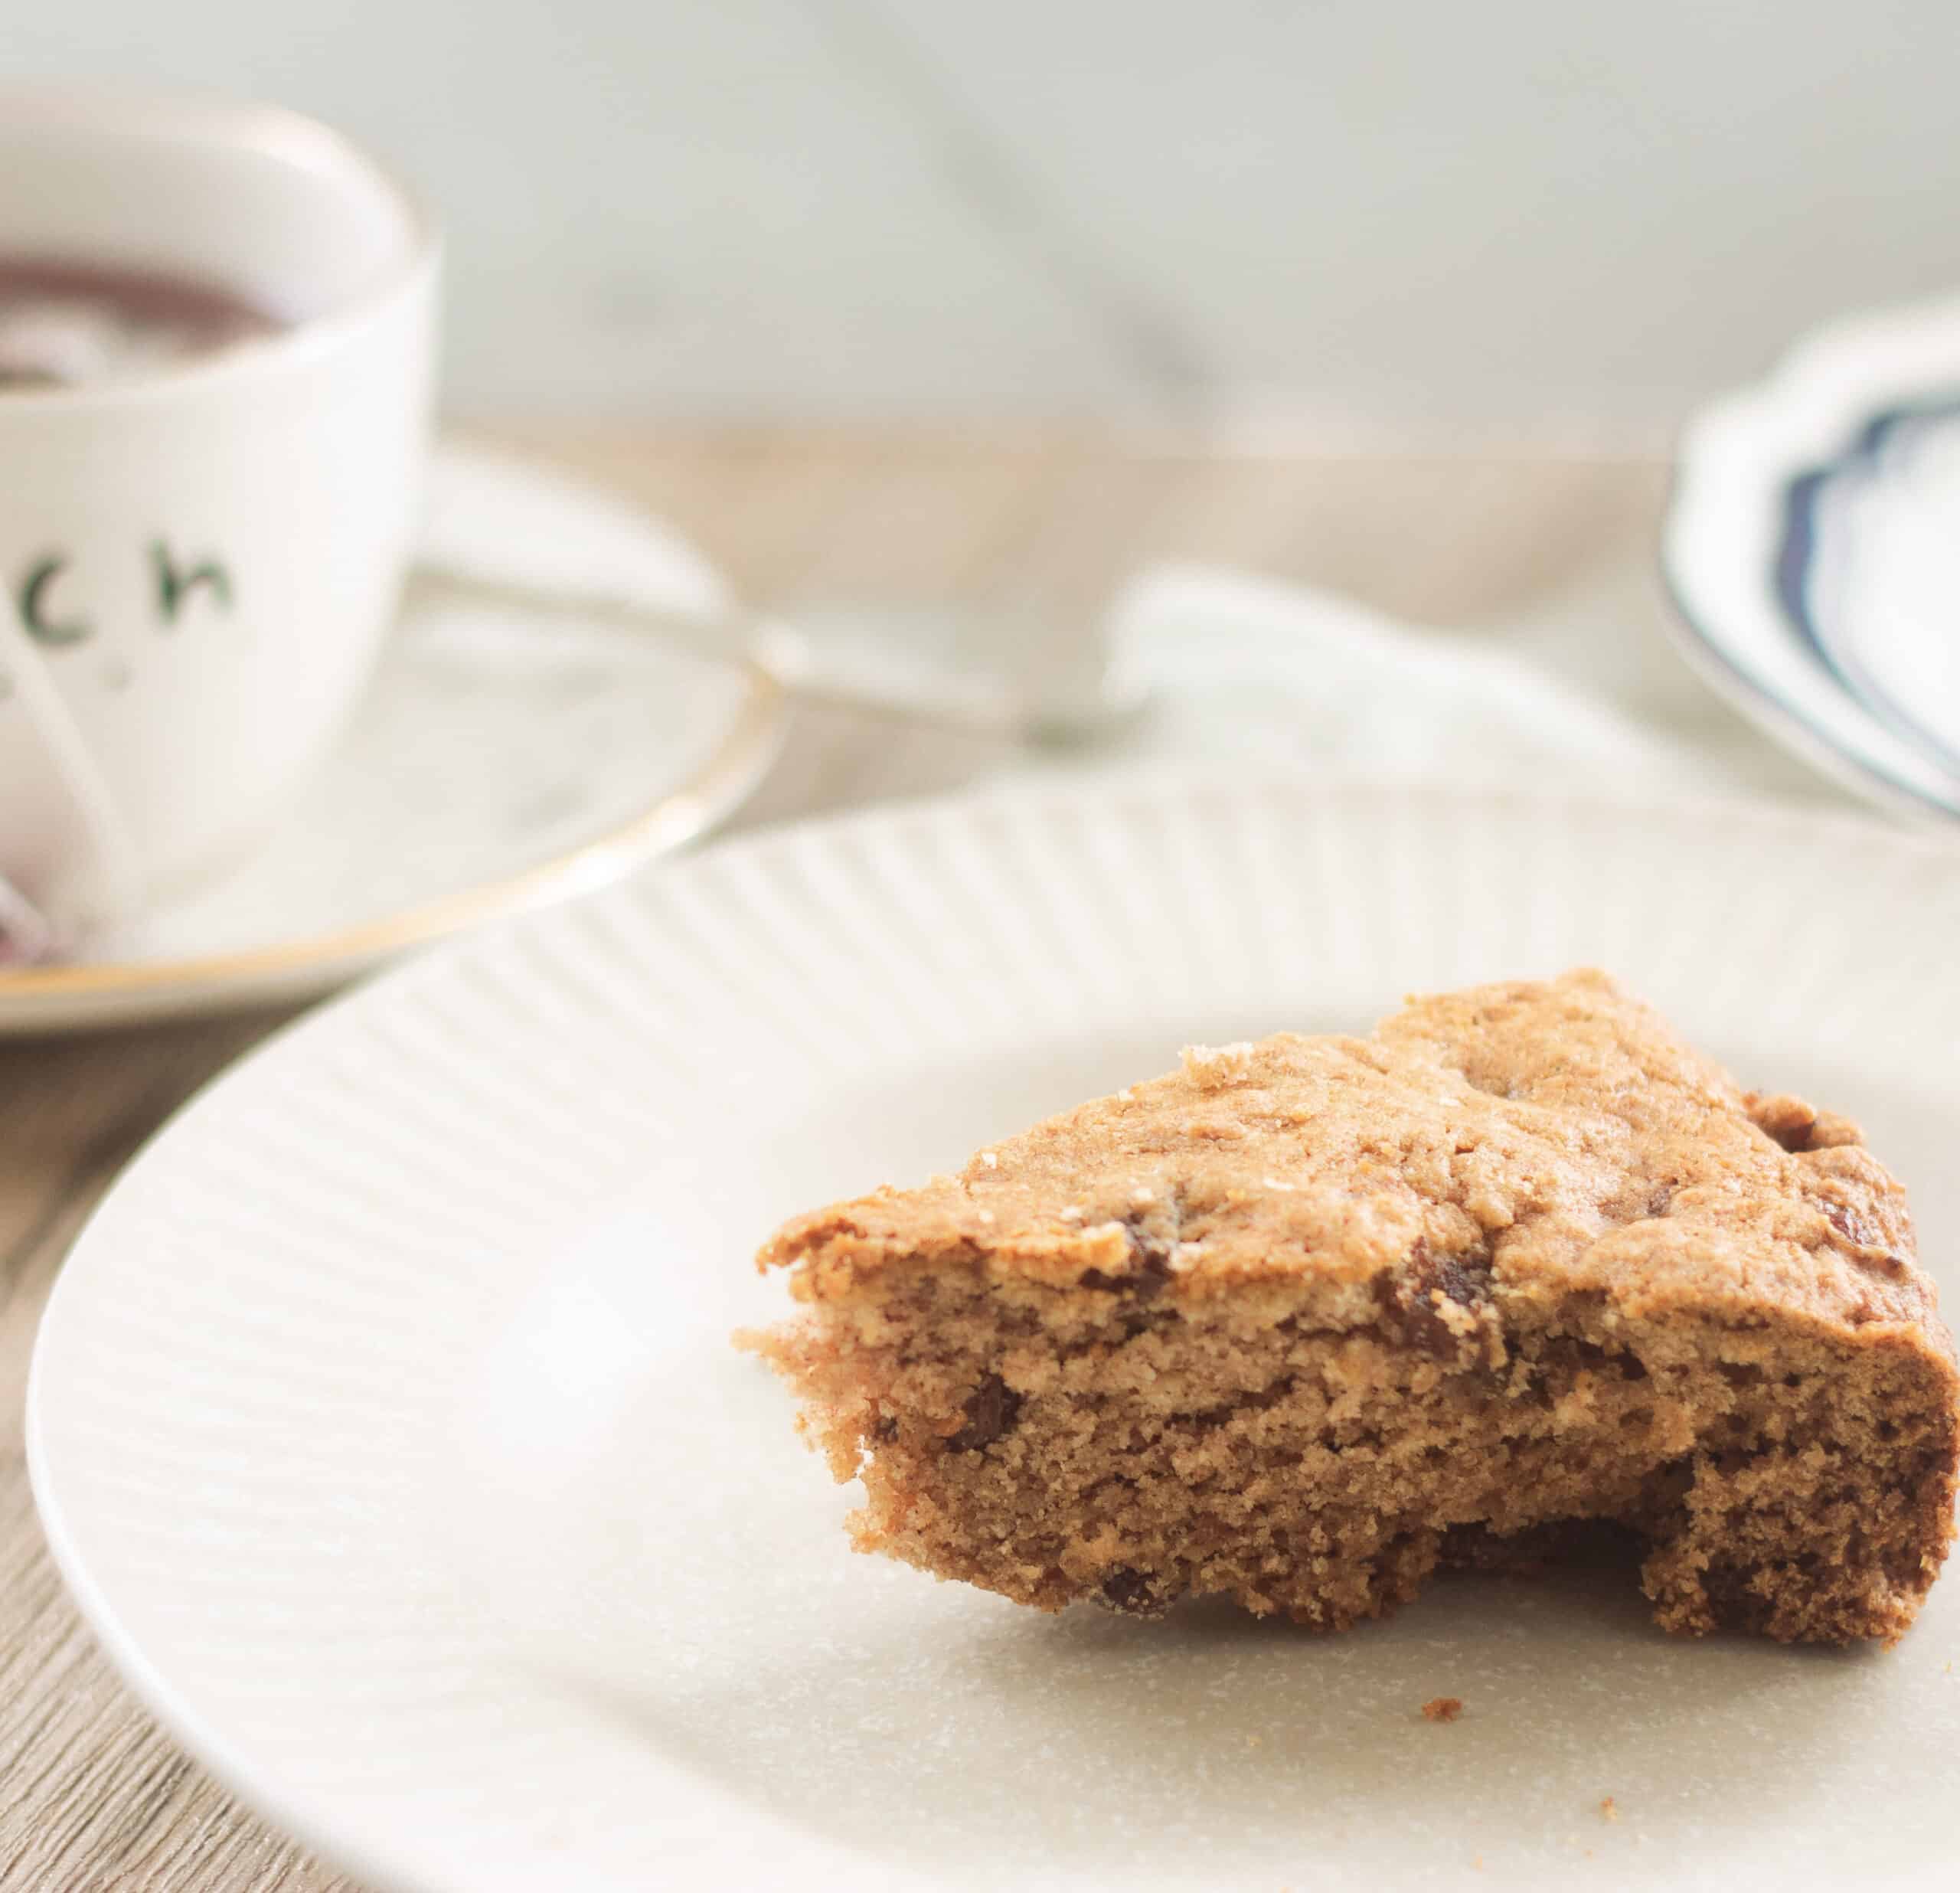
x=677, y=817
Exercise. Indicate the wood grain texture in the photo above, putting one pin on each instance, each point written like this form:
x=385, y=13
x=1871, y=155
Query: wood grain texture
x=96, y=1795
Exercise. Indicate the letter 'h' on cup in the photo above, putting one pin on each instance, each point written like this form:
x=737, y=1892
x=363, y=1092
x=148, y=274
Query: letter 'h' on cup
x=200, y=554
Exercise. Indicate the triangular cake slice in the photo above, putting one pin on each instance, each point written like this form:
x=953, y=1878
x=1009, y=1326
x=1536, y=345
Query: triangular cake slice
x=1307, y=1318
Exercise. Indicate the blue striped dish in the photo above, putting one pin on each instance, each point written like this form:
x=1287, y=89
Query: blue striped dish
x=1812, y=545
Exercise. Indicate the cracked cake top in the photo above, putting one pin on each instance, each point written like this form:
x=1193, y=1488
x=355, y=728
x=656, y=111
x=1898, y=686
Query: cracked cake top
x=1532, y=1139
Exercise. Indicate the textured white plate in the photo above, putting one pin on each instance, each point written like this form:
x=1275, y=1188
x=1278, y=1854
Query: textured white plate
x=385, y=1424
x=1811, y=547
x=497, y=762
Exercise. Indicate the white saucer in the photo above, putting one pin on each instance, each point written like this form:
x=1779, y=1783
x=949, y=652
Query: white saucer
x=385, y=1423
x=495, y=763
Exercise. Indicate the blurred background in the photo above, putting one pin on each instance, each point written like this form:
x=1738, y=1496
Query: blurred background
x=1250, y=214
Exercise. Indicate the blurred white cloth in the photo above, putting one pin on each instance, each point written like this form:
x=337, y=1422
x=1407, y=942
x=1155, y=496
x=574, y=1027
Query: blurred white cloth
x=1578, y=686
x=1248, y=669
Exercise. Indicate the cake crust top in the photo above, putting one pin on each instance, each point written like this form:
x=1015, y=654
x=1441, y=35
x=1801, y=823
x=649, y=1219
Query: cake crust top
x=1543, y=1138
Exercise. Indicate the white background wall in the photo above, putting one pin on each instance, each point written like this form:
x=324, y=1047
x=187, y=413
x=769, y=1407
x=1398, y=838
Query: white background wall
x=1538, y=212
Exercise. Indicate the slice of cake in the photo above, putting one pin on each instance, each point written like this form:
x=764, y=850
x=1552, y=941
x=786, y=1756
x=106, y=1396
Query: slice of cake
x=1307, y=1317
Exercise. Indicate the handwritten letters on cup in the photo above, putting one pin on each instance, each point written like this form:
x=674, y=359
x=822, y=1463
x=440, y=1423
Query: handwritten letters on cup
x=48, y=600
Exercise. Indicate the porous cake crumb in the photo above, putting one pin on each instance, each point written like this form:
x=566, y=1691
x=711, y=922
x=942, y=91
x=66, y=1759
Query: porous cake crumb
x=1307, y=1320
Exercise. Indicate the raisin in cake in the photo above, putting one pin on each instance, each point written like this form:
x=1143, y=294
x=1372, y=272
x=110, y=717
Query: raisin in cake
x=1307, y=1318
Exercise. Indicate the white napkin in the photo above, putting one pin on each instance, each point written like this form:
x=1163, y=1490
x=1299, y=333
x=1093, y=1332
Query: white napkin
x=1249, y=670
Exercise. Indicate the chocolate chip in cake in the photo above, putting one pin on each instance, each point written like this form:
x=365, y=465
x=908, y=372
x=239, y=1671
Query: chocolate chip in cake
x=991, y=1409
x=1149, y=1270
x=1133, y=1593
x=1411, y=1303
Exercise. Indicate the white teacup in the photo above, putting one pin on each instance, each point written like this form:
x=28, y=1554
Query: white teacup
x=199, y=559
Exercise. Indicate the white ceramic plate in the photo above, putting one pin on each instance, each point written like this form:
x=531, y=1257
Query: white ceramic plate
x=1813, y=545
x=385, y=1423
x=498, y=761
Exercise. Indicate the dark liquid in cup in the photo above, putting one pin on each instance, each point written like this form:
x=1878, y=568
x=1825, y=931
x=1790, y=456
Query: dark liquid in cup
x=67, y=324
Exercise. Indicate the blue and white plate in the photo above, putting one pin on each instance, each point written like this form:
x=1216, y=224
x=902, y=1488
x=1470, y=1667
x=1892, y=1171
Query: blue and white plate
x=1813, y=546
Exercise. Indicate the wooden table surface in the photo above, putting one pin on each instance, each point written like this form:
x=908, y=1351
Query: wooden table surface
x=1486, y=540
